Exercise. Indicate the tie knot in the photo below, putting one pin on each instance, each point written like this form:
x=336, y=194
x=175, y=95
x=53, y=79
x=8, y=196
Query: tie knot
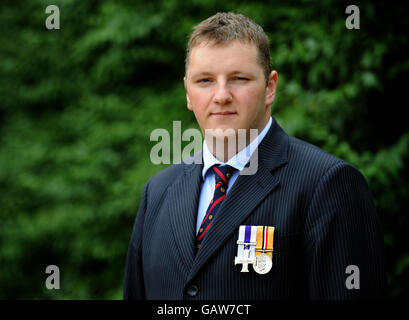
x=223, y=173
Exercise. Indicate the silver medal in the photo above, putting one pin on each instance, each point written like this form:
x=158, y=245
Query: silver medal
x=262, y=264
x=245, y=261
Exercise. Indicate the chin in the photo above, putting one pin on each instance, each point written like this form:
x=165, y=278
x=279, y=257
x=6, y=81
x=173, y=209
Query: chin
x=221, y=131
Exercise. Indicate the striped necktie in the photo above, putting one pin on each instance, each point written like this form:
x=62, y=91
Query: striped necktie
x=222, y=175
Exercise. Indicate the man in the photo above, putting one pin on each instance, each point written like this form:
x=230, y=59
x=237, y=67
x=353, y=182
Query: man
x=303, y=225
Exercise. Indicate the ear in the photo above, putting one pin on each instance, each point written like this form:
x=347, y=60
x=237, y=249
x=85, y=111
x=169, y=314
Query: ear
x=271, y=87
x=189, y=105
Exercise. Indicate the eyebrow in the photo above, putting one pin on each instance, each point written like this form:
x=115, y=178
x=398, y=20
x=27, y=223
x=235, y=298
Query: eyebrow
x=203, y=74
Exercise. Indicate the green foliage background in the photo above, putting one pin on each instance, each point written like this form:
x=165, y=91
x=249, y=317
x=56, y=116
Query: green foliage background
x=77, y=106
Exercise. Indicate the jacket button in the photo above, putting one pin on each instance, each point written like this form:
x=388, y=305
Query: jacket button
x=192, y=291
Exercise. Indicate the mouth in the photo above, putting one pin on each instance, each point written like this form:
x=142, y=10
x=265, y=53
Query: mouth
x=223, y=114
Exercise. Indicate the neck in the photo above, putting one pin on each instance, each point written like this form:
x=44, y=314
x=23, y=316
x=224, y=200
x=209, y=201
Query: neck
x=226, y=146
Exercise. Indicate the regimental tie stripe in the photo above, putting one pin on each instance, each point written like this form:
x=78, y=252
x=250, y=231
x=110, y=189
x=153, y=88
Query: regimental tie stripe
x=265, y=240
x=222, y=176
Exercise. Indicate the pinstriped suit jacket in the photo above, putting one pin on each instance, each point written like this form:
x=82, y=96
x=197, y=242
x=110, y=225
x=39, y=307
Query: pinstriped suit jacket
x=320, y=206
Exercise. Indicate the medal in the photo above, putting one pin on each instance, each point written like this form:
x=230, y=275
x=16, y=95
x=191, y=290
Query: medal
x=246, y=260
x=255, y=246
x=264, y=250
x=246, y=244
x=262, y=264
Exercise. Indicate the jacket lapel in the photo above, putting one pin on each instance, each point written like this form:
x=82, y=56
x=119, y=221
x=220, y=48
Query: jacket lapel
x=183, y=201
x=247, y=192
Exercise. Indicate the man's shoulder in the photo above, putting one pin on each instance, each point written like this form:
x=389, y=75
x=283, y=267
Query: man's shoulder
x=165, y=177
x=312, y=158
x=309, y=166
x=169, y=174
x=300, y=146
x=302, y=158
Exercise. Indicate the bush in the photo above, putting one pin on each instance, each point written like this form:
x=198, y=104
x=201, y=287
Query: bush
x=78, y=105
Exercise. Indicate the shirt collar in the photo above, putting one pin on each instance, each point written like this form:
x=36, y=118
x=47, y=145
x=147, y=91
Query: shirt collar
x=237, y=161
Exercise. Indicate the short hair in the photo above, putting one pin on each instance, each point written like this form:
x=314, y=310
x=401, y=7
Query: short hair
x=224, y=27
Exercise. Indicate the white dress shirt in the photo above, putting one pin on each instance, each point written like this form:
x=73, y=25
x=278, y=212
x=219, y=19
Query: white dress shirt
x=208, y=184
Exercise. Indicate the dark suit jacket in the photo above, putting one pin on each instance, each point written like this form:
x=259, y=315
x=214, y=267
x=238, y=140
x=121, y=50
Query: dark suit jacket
x=320, y=206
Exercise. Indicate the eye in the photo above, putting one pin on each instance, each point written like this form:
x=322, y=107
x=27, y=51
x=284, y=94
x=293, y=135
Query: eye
x=204, y=80
x=241, y=78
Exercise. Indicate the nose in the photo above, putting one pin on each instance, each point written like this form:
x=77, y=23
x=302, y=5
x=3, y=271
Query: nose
x=222, y=95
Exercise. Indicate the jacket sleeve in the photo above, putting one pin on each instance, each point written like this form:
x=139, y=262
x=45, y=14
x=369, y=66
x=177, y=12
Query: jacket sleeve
x=134, y=288
x=343, y=243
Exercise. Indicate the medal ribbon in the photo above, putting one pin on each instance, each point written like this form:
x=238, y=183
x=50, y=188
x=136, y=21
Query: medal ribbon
x=265, y=239
x=247, y=239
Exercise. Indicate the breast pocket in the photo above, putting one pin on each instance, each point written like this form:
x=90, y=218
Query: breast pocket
x=286, y=248
x=288, y=262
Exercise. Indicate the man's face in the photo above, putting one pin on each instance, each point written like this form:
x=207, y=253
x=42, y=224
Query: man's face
x=226, y=87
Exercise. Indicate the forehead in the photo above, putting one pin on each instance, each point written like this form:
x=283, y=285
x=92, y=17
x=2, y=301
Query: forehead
x=224, y=57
